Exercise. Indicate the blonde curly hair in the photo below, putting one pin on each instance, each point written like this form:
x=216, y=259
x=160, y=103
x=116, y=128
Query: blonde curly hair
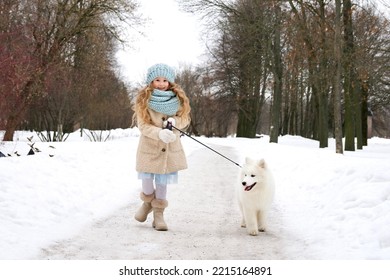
x=141, y=106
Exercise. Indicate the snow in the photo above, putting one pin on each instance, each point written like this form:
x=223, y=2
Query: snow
x=337, y=205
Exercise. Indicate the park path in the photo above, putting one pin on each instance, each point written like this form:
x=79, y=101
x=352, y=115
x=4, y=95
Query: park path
x=203, y=219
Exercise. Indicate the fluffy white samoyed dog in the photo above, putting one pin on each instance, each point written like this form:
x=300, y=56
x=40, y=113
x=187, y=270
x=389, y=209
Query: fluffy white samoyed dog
x=255, y=194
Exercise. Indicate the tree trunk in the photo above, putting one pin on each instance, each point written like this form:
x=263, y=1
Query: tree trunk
x=337, y=82
x=10, y=128
x=364, y=112
x=358, y=114
x=278, y=75
x=247, y=119
x=323, y=120
x=15, y=118
x=349, y=78
x=323, y=129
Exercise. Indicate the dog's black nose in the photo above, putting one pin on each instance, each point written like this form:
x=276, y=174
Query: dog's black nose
x=243, y=183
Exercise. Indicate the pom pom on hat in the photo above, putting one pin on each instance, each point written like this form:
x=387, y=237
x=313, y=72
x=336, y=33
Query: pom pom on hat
x=160, y=70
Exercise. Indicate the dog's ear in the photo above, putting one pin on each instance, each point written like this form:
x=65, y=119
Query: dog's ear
x=262, y=163
x=248, y=160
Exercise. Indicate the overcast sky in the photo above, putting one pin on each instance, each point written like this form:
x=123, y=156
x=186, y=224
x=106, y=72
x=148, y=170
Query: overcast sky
x=171, y=37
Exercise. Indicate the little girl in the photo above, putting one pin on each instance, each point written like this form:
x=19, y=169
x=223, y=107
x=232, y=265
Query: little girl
x=160, y=154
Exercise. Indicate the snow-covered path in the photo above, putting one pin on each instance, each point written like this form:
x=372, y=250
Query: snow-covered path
x=203, y=220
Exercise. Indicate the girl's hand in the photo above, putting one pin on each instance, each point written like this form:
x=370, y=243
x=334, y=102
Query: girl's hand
x=169, y=120
x=167, y=136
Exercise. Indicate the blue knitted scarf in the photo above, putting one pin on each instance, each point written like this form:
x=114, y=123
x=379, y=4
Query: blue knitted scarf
x=165, y=102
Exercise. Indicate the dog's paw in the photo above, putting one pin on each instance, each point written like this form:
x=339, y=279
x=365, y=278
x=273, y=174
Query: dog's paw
x=261, y=229
x=243, y=225
x=253, y=232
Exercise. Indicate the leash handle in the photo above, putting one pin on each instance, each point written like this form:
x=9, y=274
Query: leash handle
x=186, y=134
x=169, y=125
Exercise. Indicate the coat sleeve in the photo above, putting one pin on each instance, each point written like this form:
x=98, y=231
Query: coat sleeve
x=149, y=130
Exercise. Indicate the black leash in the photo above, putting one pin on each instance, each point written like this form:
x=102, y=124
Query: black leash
x=170, y=126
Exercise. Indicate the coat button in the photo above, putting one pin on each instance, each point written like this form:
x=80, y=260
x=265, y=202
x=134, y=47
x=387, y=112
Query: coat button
x=163, y=150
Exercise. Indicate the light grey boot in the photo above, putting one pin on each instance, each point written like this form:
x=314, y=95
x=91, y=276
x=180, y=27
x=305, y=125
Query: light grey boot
x=159, y=206
x=146, y=207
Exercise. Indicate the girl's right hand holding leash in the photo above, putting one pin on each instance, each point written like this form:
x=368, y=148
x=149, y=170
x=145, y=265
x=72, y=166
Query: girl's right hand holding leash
x=167, y=136
x=169, y=123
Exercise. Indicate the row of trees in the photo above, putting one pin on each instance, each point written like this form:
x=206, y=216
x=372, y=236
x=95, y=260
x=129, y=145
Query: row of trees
x=57, y=64
x=309, y=68
x=319, y=63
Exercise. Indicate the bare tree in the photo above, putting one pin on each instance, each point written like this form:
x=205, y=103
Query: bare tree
x=350, y=82
x=278, y=75
x=52, y=28
x=337, y=80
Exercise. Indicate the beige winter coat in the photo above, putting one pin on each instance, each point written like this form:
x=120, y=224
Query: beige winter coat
x=155, y=156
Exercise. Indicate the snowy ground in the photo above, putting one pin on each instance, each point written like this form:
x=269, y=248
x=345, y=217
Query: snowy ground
x=74, y=204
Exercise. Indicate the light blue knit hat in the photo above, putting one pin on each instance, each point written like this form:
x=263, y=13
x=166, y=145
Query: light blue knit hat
x=160, y=70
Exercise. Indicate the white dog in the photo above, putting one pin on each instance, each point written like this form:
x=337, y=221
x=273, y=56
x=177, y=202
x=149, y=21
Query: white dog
x=255, y=194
